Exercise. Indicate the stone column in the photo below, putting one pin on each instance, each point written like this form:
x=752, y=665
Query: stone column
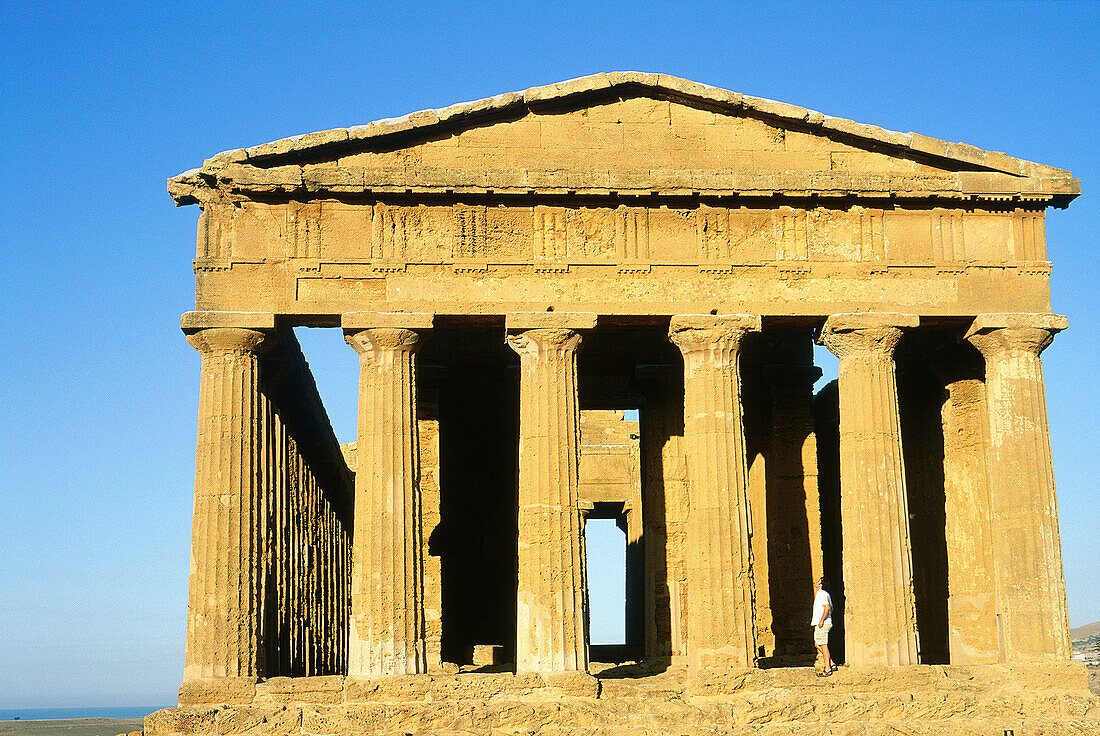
x=971, y=603
x=1027, y=547
x=386, y=629
x=550, y=633
x=718, y=560
x=225, y=584
x=880, y=623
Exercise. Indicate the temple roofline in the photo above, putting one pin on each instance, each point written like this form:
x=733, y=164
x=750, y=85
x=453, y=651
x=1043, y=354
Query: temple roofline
x=958, y=156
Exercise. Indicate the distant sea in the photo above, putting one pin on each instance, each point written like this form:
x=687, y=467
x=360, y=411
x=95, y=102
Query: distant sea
x=49, y=714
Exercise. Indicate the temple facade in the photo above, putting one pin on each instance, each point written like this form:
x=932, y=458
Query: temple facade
x=514, y=273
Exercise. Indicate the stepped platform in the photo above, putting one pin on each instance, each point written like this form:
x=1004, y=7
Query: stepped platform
x=637, y=700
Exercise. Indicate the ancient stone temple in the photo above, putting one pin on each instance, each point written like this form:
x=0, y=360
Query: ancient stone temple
x=513, y=275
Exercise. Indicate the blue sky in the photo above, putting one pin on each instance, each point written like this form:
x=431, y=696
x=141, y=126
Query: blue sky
x=102, y=102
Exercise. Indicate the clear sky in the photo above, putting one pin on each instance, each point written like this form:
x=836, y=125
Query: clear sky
x=102, y=102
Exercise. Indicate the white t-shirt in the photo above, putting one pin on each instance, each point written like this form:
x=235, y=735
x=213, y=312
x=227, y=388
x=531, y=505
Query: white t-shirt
x=821, y=600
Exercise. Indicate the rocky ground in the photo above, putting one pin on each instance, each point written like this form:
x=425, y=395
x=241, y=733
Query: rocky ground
x=71, y=727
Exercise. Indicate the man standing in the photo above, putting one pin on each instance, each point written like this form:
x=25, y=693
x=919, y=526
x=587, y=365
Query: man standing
x=822, y=622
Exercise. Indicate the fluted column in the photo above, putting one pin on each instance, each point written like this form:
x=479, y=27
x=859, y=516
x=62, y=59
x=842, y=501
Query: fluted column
x=550, y=632
x=717, y=559
x=971, y=604
x=225, y=584
x=1027, y=547
x=386, y=629
x=880, y=624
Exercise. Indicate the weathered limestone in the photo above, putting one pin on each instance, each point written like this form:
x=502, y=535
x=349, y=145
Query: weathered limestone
x=223, y=611
x=1027, y=548
x=971, y=603
x=550, y=634
x=387, y=595
x=718, y=563
x=1046, y=699
x=880, y=616
x=683, y=218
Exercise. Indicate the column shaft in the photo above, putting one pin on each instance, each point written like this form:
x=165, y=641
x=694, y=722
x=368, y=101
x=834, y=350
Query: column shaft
x=1027, y=549
x=223, y=612
x=550, y=635
x=386, y=632
x=880, y=614
x=718, y=559
x=971, y=606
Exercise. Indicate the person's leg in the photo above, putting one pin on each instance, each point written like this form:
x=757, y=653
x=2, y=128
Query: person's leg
x=829, y=666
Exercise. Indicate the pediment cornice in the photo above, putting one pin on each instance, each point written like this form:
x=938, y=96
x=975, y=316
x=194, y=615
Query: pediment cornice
x=302, y=165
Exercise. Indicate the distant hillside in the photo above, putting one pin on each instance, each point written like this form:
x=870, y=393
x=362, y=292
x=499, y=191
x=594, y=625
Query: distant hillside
x=71, y=727
x=1084, y=632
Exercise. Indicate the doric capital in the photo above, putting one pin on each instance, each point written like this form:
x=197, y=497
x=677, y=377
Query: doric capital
x=376, y=340
x=375, y=332
x=533, y=333
x=695, y=332
x=994, y=334
x=214, y=341
x=850, y=335
x=543, y=340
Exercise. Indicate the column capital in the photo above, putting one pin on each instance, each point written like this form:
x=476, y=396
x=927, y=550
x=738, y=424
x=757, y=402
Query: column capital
x=212, y=341
x=373, y=340
x=234, y=333
x=694, y=332
x=852, y=334
x=541, y=340
x=541, y=331
x=993, y=334
x=372, y=332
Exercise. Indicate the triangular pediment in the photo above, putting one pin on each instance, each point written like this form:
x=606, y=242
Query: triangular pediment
x=623, y=132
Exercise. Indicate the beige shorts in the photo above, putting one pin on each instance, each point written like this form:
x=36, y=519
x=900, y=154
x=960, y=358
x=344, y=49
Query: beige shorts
x=821, y=634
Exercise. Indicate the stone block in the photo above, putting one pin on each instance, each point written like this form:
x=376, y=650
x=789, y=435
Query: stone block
x=257, y=721
x=640, y=78
x=344, y=719
x=392, y=688
x=193, y=321
x=318, y=689
x=564, y=89
x=550, y=320
x=355, y=321
x=217, y=690
x=578, y=684
x=182, y=721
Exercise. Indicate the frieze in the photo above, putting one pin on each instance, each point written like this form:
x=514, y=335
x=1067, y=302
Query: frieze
x=551, y=238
